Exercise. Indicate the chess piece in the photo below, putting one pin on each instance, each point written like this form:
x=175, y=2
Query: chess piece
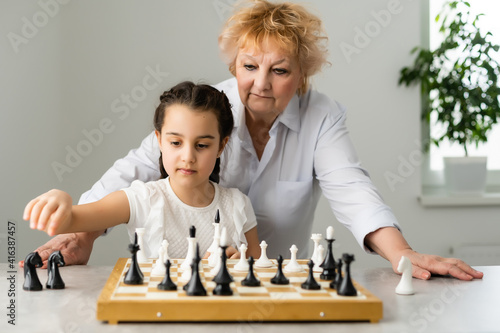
x=167, y=283
x=405, y=286
x=191, y=249
x=217, y=262
x=223, y=279
x=263, y=261
x=54, y=280
x=320, y=255
x=141, y=256
x=328, y=264
x=335, y=284
x=280, y=278
x=134, y=274
x=194, y=286
x=31, y=280
x=250, y=280
x=346, y=288
x=293, y=266
x=212, y=249
x=242, y=265
x=159, y=267
x=310, y=283
x=316, y=258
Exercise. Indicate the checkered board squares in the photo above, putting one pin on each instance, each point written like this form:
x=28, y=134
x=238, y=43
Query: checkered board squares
x=121, y=302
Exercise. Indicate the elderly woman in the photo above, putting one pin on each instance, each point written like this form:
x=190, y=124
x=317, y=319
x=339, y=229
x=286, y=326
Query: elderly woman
x=289, y=145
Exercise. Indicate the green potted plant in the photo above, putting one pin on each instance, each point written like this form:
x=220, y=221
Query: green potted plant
x=459, y=83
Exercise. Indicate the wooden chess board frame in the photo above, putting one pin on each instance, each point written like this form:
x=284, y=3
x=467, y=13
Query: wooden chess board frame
x=311, y=305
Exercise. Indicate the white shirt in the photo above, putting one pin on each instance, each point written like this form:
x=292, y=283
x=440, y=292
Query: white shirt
x=155, y=207
x=309, y=151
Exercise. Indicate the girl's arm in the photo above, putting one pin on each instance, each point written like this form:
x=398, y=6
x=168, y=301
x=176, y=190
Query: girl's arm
x=253, y=243
x=53, y=213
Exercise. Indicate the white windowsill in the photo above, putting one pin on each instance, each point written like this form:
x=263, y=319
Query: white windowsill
x=438, y=197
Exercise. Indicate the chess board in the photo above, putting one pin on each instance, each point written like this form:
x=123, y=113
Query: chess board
x=119, y=302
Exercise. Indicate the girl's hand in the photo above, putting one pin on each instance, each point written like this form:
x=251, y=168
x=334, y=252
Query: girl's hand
x=50, y=212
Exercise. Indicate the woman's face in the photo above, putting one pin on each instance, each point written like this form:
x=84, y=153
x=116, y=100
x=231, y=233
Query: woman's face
x=267, y=78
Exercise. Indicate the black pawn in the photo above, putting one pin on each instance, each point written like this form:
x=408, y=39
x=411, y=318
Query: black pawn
x=280, y=278
x=194, y=287
x=310, y=283
x=335, y=284
x=167, y=283
x=250, y=280
x=223, y=278
x=346, y=287
x=328, y=264
x=134, y=275
x=54, y=280
x=31, y=280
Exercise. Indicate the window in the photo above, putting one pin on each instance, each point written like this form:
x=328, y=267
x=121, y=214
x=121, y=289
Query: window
x=488, y=22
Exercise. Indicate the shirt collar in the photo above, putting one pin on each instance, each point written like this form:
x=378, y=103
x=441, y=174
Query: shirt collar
x=290, y=117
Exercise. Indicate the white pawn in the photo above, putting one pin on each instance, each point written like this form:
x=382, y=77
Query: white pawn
x=242, y=265
x=293, y=266
x=263, y=260
x=159, y=268
x=405, y=286
x=186, y=275
x=141, y=256
x=320, y=257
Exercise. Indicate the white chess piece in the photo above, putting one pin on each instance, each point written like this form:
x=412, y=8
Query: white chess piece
x=319, y=259
x=293, y=266
x=217, y=262
x=164, y=245
x=242, y=265
x=214, y=255
x=186, y=264
x=405, y=286
x=159, y=268
x=141, y=256
x=263, y=260
x=316, y=239
x=215, y=243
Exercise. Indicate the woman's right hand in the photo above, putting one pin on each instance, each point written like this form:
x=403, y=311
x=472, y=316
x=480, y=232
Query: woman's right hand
x=50, y=212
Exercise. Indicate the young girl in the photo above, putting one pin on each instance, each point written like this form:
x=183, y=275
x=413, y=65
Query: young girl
x=192, y=124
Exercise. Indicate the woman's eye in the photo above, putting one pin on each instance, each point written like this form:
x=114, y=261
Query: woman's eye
x=280, y=71
x=249, y=67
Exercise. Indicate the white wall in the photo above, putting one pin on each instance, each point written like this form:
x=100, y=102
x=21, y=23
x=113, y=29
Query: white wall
x=72, y=72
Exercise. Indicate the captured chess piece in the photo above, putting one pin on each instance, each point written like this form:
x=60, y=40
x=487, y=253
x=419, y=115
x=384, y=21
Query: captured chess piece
x=194, y=286
x=328, y=264
x=54, y=280
x=310, y=283
x=405, y=286
x=250, y=280
x=280, y=278
x=167, y=283
x=31, y=280
x=134, y=274
x=223, y=279
x=346, y=287
x=335, y=284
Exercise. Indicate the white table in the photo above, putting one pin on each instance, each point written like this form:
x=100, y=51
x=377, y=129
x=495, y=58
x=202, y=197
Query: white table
x=440, y=305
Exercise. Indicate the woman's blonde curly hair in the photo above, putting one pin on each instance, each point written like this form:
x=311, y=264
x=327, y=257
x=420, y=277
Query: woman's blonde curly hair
x=291, y=26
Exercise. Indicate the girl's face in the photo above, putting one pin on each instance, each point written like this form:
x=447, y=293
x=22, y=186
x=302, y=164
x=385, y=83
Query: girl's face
x=190, y=144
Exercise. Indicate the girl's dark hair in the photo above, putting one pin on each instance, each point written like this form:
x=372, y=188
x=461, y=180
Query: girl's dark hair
x=198, y=97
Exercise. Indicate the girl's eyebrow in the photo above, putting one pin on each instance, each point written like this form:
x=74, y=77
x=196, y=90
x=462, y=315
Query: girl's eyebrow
x=206, y=136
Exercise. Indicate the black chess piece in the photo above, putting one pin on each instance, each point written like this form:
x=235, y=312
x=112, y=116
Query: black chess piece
x=31, y=280
x=310, y=283
x=223, y=278
x=335, y=284
x=280, y=278
x=54, y=280
x=194, y=286
x=328, y=264
x=167, y=283
x=250, y=280
x=217, y=217
x=346, y=287
x=134, y=275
